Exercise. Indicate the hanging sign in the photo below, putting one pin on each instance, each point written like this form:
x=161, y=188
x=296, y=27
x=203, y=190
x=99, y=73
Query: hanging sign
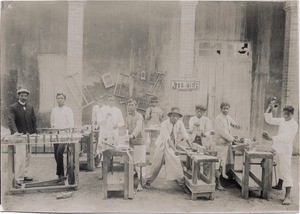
x=185, y=84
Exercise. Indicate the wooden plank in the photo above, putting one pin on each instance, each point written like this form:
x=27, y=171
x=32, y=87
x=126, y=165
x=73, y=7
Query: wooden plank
x=42, y=189
x=255, y=178
x=200, y=187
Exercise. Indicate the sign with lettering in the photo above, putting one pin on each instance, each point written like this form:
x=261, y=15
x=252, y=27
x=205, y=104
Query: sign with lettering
x=185, y=84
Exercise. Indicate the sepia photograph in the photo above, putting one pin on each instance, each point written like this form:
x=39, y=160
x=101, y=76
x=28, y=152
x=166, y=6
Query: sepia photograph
x=144, y=106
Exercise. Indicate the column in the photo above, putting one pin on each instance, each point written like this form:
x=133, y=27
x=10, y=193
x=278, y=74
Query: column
x=291, y=56
x=74, y=58
x=186, y=53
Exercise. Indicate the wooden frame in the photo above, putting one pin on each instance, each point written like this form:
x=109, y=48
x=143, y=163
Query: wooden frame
x=72, y=141
x=108, y=80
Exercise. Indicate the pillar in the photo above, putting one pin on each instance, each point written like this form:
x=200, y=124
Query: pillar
x=186, y=53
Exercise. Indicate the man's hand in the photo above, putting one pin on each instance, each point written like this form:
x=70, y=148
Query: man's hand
x=266, y=135
x=131, y=136
x=17, y=134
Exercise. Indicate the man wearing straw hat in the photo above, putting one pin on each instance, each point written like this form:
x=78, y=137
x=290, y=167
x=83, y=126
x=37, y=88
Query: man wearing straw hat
x=21, y=120
x=166, y=152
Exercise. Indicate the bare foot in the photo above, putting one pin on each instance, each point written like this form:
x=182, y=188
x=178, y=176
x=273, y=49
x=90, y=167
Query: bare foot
x=139, y=188
x=287, y=201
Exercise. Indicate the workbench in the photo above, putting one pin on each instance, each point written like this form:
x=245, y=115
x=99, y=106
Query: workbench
x=199, y=181
x=72, y=141
x=245, y=177
x=118, y=175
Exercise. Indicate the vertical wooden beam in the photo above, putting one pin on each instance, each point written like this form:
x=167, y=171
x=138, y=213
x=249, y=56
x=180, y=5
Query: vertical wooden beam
x=245, y=178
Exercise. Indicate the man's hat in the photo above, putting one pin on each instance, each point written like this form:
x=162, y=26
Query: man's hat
x=174, y=110
x=23, y=90
x=154, y=100
x=201, y=107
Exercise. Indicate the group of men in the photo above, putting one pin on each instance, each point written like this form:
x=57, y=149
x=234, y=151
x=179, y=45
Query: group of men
x=22, y=120
x=109, y=119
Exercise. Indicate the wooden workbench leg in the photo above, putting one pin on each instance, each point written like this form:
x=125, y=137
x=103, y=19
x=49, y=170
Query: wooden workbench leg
x=76, y=157
x=106, y=161
x=266, y=170
x=270, y=172
x=90, y=152
x=212, y=172
x=11, y=166
x=130, y=176
x=195, y=172
x=126, y=177
x=245, y=179
x=194, y=196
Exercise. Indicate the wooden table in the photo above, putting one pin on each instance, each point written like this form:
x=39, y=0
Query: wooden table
x=114, y=178
x=72, y=141
x=197, y=179
x=246, y=178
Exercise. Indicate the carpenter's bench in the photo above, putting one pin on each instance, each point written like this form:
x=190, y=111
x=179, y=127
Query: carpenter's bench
x=118, y=176
x=246, y=178
x=72, y=141
x=199, y=173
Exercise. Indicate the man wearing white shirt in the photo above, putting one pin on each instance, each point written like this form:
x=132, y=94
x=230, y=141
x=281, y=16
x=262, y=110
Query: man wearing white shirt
x=166, y=152
x=114, y=118
x=200, y=126
x=223, y=124
x=283, y=146
x=61, y=118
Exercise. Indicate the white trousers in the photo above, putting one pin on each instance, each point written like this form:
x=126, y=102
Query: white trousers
x=139, y=156
x=222, y=157
x=22, y=159
x=284, y=164
x=166, y=155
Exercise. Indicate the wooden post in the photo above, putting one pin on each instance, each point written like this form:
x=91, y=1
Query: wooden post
x=195, y=171
x=130, y=176
x=76, y=157
x=11, y=165
x=90, y=151
x=104, y=172
x=245, y=179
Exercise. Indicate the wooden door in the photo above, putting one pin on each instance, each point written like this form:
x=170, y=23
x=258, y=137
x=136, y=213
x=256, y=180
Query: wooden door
x=225, y=75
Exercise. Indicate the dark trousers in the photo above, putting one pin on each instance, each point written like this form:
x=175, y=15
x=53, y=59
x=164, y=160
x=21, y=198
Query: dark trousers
x=59, y=150
x=198, y=140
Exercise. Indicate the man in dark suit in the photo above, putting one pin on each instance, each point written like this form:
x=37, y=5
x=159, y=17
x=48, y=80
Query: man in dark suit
x=21, y=120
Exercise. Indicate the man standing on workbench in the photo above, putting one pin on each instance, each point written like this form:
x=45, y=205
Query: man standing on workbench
x=21, y=120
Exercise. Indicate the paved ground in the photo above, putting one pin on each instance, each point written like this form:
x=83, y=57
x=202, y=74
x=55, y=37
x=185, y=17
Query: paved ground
x=164, y=197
